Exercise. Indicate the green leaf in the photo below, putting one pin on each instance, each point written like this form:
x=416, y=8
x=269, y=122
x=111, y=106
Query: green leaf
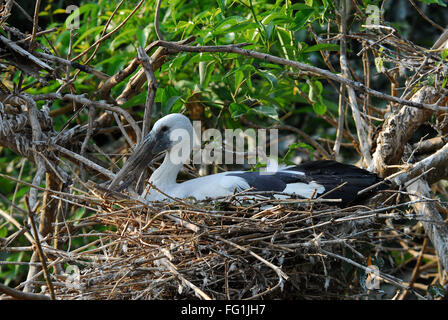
x=268, y=111
x=237, y=109
x=226, y=24
x=444, y=82
x=297, y=145
x=141, y=37
x=135, y=100
x=319, y=108
x=177, y=62
x=323, y=47
x=202, y=71
x=277, y=18
x=89, y=33
x=269, y=76
x=222, y=5
x=379, y=64
x=208, y=74
x=3, y=232
x=444, y=54
x=301, y=18
x=168, y=106
x=239, y=77
x=269, y=30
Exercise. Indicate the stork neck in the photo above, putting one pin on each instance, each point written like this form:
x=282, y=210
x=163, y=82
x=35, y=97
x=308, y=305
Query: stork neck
x=166, y=174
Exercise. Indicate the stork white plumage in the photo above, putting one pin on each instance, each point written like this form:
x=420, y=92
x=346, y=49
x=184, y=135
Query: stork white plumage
x=174, y=134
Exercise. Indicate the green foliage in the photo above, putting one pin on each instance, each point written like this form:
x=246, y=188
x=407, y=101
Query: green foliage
x=439, y=2
x=240, y=85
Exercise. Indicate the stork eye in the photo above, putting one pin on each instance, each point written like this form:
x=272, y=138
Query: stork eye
x=164, y=129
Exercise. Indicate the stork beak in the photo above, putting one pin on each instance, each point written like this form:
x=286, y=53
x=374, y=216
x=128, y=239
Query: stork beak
x=143, y=154
x=153, y=144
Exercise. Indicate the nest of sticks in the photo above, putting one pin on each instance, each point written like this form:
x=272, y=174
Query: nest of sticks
x=230, y=249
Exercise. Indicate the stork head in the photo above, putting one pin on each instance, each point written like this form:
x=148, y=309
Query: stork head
x=172, y=133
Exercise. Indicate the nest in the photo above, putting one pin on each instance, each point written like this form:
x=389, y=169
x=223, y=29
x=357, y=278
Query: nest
x=232, y=249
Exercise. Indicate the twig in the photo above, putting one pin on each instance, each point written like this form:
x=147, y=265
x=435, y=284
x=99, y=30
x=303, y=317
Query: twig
x=17, y=224
x=277, y=270
x=425, y=17
x=25, y=53
x=35, y=21
x=302, y=66
x=172, y=268
x=437, y=232
x=85, y=101
x=388, y=278
x=39, y=249
x=108, y=35
x=152, y=89
x=361, y=127
x=83, y=160
x=415, y=272
x=17, y=294
x=156, y=21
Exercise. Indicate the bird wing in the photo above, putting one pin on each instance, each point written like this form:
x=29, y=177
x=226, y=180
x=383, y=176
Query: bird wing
x=332, y=174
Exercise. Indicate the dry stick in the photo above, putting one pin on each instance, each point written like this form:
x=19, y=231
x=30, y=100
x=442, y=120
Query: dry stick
x=152, y=88
x=17, y=294
x=65, y=62
x=99, y=74
x=340, y=128
x=298, y=65
x=170, y=266
x=416, y=270
x=49, y=207
x=83, y=160
x=62, y=194
x=17, y=224
x=370, y=46
x=307, y=137
x=35, y=21
x=106, y=87
x=98, y=104
x=438, y=160
x=342, y=89
x=106, y=36
x=88, y=134
x=36, y=134
x=104, y=32
x=123, y=131
x=277, y=270
x=361, y=128
x=425, y=17
x=39, y=248
x=40, y=33
x=156, y=21
x=22, y=165
x=438, y=45
x=25, y=53
x=437, y=232
x=388, y=278
x=397, y=129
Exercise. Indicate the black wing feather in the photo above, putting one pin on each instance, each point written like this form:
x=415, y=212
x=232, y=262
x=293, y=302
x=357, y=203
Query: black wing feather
x=332, y=174
x=327, y=173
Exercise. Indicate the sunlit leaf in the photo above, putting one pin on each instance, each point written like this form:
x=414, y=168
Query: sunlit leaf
x=237, y=109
